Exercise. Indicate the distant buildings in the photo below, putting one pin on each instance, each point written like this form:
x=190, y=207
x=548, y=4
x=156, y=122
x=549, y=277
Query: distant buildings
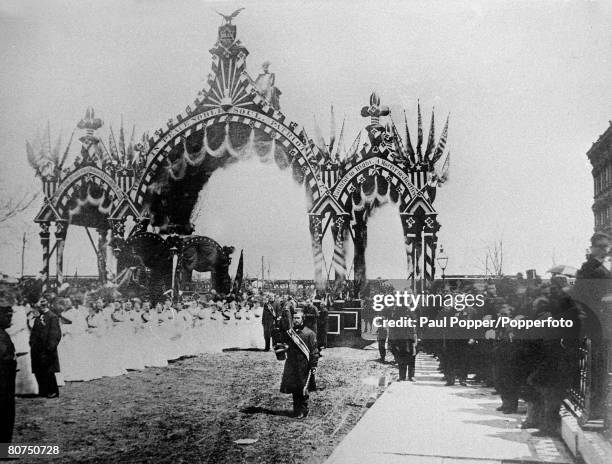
x=600, y=155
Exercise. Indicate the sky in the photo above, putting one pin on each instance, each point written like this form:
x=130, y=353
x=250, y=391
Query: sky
x=526, y=84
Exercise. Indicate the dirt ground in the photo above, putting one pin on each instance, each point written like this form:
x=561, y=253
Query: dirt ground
x=193, y=410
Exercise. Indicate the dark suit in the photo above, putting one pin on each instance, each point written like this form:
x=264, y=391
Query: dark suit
x=8, y=369
x=268, y=319
x=44, y=338
x=402, y=343
x=311, y=314
x=593, y=268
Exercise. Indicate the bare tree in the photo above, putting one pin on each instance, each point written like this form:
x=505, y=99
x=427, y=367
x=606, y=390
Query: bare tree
x=493, y=261
x=11, y=206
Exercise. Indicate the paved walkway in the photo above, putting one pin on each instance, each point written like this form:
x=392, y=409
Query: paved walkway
x=428, y=423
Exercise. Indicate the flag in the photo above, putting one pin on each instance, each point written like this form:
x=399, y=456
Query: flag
x=431, y=138
x=122, y=150
x=419, y=132
x=441, y=144
x=239, y=273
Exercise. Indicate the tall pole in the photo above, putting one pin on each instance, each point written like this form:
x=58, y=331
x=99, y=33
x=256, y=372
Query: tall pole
x=23, y=244
x=262, y=272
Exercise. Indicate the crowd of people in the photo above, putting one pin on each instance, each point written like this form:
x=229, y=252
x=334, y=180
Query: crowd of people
x=90, y=338
x=62, y=339
x=541, y=365
x=106, y=338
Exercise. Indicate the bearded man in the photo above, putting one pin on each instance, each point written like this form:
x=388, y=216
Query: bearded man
x=300, y=365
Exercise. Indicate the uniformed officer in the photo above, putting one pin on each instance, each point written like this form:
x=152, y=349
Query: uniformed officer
x=8, y=370
x=301, y=363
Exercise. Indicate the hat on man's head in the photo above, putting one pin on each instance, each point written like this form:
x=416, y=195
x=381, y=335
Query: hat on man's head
x=600, y=236
x=6, y=300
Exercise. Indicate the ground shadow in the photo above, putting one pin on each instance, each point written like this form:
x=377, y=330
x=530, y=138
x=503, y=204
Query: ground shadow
x=271, y=412
x=235, y=348
x=498, y=423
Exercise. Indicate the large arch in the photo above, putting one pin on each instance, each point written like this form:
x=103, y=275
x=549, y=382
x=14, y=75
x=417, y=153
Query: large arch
x=157, y=181
x=234, y=117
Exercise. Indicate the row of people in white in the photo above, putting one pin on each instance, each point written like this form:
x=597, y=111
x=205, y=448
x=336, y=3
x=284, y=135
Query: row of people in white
x=107, y=341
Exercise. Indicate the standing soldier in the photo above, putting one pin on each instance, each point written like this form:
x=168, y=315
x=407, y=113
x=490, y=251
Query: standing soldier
x=301, y=364
x=8, y=371
x=44, y=338
x=268, y=319
x=326, y=305
x=402, y=341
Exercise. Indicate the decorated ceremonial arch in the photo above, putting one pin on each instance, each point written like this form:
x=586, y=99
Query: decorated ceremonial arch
x=153, y=182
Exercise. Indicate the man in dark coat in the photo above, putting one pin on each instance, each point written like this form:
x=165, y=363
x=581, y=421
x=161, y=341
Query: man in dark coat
x=301, y=364
x=311, y=315
x=326, y=305
x=44, y=338
x=268, y=319
x=402, y=341
x=594, y=267
x=8, y=370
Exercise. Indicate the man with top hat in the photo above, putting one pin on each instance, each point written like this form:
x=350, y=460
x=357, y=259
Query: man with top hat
x=44, y=338
x=300, y=365
x=8, y=371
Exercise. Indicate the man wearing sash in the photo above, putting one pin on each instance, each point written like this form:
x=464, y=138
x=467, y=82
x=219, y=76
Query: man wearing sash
x=301, y=364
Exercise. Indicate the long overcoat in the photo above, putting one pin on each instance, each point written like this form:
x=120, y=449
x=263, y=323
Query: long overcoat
x=297, y=366
x=44, y=338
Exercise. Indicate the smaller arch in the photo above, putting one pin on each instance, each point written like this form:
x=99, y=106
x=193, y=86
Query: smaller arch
x=368, y=171
x=82, y=187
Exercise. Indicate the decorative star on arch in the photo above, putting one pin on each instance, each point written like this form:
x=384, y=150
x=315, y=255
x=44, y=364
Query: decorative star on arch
x=374, y=171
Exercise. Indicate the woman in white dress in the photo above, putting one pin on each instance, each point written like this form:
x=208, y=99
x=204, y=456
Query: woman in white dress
x=135, y=343
x=154, y=353
x=104, y=357
x=254, y=339
x=214, y=327
x=74, y=350
x=122, y=338
x=185, y=323
x=19, y=331
x=168, y=331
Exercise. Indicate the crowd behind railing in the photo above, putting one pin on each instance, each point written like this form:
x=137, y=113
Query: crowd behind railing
x=544, y=364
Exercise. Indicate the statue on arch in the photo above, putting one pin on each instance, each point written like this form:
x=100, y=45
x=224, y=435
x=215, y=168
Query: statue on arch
x=265, y=85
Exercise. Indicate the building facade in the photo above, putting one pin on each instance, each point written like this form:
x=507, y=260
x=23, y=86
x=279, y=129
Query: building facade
x=600, y=156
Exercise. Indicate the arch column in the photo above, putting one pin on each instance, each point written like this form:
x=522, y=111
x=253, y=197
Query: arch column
x=61, y=229
x=44, y=241
x=420, y=241
x=360, y=240
x=102, y=244
x=117, y=241
x=339, y=230
x=316, y=237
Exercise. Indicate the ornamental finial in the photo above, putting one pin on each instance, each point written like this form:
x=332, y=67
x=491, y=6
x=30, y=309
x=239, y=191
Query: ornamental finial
x=90, y=124
x=375, y=110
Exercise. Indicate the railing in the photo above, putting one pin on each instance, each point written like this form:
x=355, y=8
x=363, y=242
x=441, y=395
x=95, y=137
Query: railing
x=580, y=391
x=586, y=397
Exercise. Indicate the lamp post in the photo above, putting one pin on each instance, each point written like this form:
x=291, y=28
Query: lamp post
x=442, y=261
